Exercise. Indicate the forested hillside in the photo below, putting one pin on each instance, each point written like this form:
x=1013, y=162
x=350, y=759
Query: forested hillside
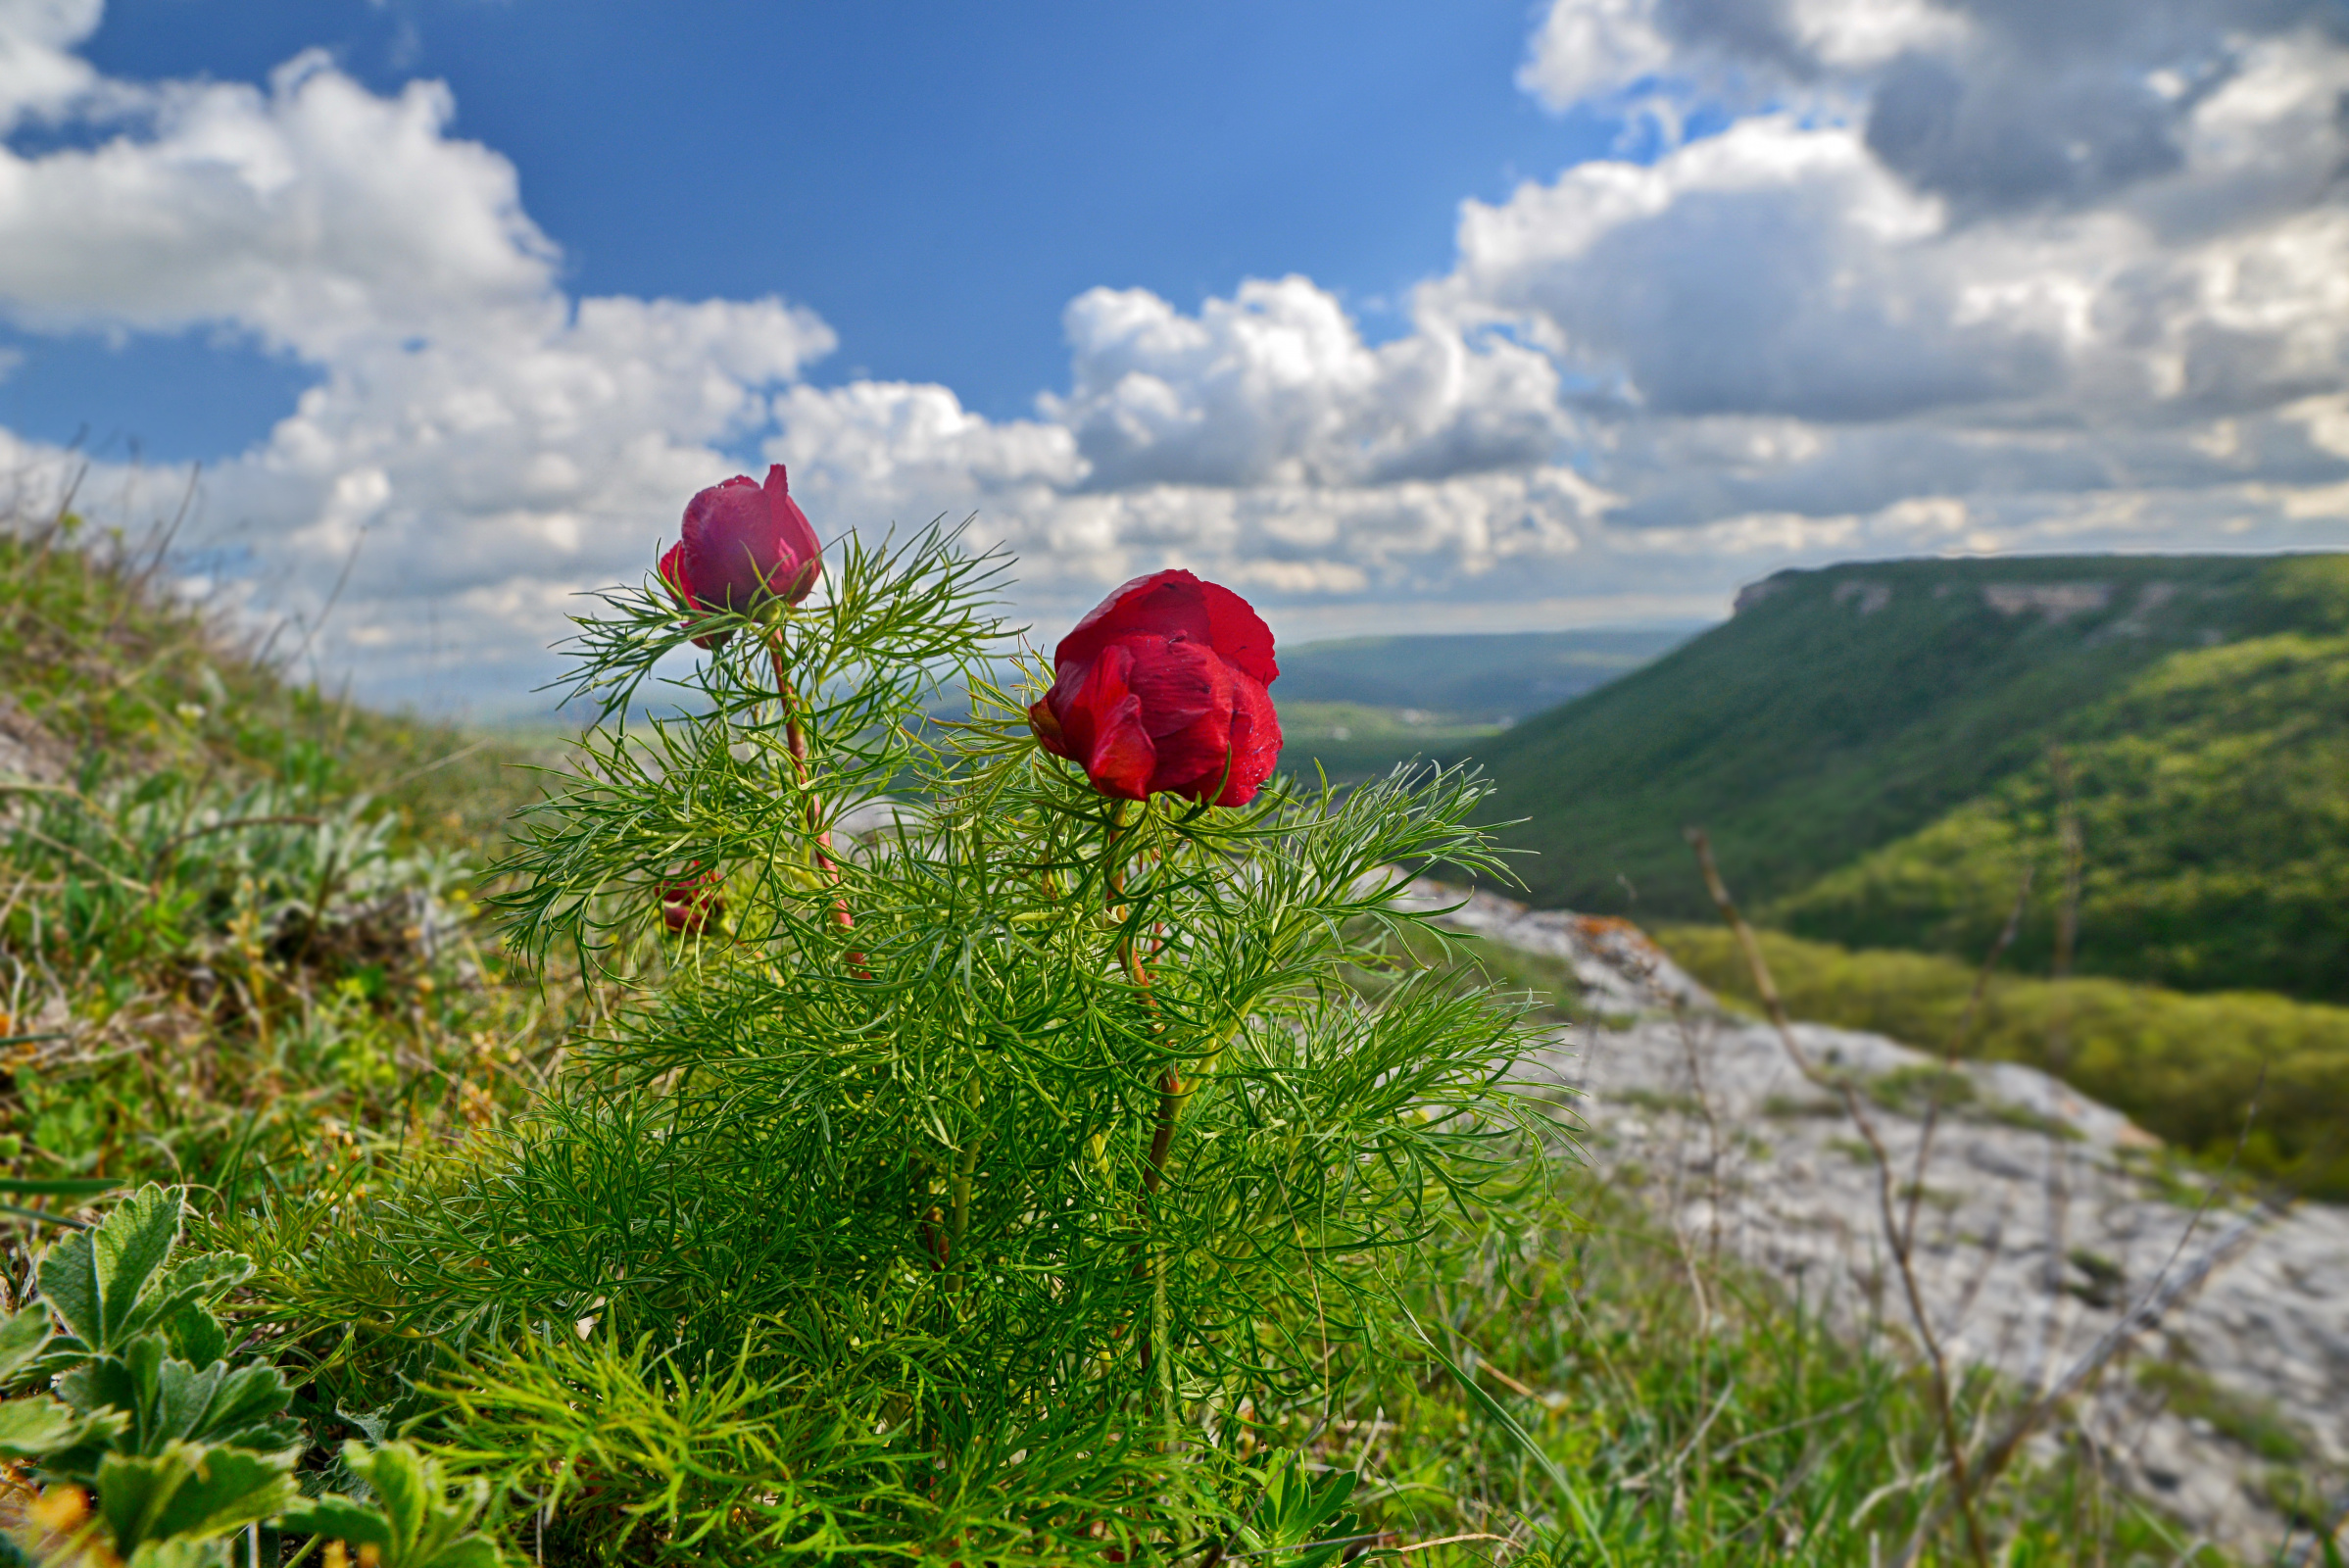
x=1873, y=748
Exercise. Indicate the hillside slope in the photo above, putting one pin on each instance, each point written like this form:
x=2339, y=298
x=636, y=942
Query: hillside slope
x=1846, y=710
x=230, y=967
x=2214, y=810
x=2044, y=1217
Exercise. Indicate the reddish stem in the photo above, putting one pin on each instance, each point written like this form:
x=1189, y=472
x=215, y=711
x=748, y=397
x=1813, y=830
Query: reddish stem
x=795, y=742
x=1170, y=1081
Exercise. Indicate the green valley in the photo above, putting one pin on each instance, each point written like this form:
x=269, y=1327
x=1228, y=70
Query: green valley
x=1356, y=706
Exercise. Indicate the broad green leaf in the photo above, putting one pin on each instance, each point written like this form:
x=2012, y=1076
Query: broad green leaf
x=196, y=1335
x=182, y=1552
x=405, y=1485
x=127, y=1247
x=70, y=1285
x=107, y=1384
x=202, y=1278
x=93, y=1278
x=167, y=1401
x=340, y=1519
x=22, y=1338
x=36, y=1425
x=191, y=1490
x=475, y=1550
x=178, y=1398
x=416, y=1525
x=245, y=1407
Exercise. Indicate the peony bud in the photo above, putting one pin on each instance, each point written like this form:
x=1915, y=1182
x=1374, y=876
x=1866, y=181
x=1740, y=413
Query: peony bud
x=743, y=543
x=691, y=901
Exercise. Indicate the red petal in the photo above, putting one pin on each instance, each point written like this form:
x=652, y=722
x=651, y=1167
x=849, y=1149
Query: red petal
x=1101, y=724
x=1179, y=683
x=1255, y=740
x=1186, y=693
x=1046, y=726
x=802, y=556
x=731, y=542
x=1164, y=604
x=673, y=572
x=1175, y=603
x=1235, y=631
x=1121, y=760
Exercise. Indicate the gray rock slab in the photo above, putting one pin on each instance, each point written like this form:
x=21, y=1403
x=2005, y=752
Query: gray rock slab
x=2042, y=1217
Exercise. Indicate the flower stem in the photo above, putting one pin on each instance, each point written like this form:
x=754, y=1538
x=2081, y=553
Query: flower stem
x=1171, y=1080
x=964, y=1172
x=795, y=742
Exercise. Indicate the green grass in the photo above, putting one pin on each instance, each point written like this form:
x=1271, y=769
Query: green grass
x=1868, y=748
x=1700, y=1415
x=2186, y=1067
x=215, y=918
x=128, y=683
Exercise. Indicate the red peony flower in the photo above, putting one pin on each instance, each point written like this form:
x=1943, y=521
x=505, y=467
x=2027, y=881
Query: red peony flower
x=691, y=901
x=743, y=543
x=1161, y=688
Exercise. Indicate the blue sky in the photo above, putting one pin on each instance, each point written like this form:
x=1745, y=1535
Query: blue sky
x=1461, y=316
x=936, y=181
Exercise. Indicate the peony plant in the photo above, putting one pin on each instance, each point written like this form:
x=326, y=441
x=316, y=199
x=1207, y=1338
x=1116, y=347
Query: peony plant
x=1000, y=1117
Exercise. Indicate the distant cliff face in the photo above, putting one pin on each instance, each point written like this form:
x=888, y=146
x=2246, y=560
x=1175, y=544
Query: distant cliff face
x=1841, y=712
x=1754, y=594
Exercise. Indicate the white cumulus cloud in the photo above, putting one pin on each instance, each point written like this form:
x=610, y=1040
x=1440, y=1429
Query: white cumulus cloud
x=481, y=445
x=1939, y=275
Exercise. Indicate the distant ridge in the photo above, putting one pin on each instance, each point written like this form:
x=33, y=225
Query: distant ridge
x=1868, y=744
x=1490, y=679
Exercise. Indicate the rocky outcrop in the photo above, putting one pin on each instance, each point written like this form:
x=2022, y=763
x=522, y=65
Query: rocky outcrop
x=2059, y=602
x=2043, y=1219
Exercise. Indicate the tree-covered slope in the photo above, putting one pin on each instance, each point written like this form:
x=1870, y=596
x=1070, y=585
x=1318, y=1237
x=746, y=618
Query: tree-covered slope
x=1843, y=711
x=2213, y=801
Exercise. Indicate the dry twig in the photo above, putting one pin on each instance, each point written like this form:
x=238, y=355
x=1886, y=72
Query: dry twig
x=1961, y=1476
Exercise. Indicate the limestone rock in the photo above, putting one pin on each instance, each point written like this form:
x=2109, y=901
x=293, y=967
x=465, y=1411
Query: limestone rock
x=2042, y=1218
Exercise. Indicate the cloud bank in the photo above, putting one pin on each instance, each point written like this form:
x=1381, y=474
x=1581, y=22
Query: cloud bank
x=1986, y=276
